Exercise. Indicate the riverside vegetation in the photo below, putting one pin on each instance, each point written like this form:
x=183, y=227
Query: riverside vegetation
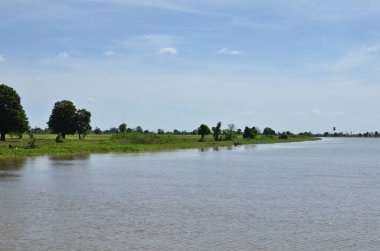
x=65, y=120
x=122, y=143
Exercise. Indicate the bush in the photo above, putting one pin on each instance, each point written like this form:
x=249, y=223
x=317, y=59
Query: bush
x=97, y=131
x=249, y=133
x=59, y=139
x=269, y=131
x=31, y=144
x=283, y=136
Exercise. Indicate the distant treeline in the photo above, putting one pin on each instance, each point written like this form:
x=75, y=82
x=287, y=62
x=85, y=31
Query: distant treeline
x=248, y=132
x=346, y=134
x=138, y=129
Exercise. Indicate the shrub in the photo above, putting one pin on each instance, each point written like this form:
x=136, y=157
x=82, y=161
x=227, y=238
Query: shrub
x=59, y=139
x=283, y=136
x=97, y=131
x=32, y=144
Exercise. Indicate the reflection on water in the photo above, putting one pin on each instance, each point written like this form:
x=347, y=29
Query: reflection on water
x=216, y=148
x=8, y=168
x=12, y=164
x=68, y=160
x=306, y=196
x=69, y=157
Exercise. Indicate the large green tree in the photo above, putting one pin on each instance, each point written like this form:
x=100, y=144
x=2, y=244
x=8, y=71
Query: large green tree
x=203, y=130
x=82, y=120
x=123, y=128
x=250, y=133
x=269, y=131
x=12, y=115
x=63, y=117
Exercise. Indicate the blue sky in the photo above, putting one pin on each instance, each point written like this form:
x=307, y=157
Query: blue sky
x=297, y=65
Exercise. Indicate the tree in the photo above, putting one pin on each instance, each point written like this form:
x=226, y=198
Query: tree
x=203, y=130
x=160, y=131
x=97, y=130
x=268, y=131
x=216, y=131
x=63, y=117
x=12, y=115
x=283, y=135
x=37, y=130
x=123, y=128
x=255, y=130
x=83, y=119
x=139, y=129
x=230, y=133
x=248, y=133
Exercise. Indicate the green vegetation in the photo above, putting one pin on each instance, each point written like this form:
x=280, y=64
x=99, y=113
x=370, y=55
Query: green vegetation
x=12, y=115
x=230, y=133
x=66, y=120
x=45, y=144
x=123, y=128
x=216, y=131
x=269, y=131
x=283, y=136
x=203, y=130
x=250, y=133
x=62, y=118
x=83, y=120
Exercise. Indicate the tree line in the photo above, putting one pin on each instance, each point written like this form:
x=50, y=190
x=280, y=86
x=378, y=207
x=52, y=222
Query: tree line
x=66, y=119
x=217, y=132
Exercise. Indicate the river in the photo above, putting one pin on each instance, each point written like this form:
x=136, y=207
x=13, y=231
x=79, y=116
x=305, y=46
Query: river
x=322, y=195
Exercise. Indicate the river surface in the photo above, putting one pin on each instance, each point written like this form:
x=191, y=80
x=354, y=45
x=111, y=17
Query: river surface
x=321, y=195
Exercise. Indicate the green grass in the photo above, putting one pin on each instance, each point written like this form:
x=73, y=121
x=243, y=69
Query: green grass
x=120, y=143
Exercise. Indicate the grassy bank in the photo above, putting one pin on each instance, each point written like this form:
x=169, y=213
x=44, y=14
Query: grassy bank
x=120, y=143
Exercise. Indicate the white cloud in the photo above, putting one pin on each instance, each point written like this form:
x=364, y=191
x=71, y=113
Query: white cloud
x=168, y=51
x=356, y=58
x=109, y=53
x=64, y=55
x=227, y=51
x=1, y=59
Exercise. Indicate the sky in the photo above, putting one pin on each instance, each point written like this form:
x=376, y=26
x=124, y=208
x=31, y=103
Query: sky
x=297, y=65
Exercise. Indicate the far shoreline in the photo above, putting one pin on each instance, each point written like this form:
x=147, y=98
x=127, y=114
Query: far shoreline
x=45, y=144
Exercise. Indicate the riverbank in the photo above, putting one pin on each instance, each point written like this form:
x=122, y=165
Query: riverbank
x=45, y=144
